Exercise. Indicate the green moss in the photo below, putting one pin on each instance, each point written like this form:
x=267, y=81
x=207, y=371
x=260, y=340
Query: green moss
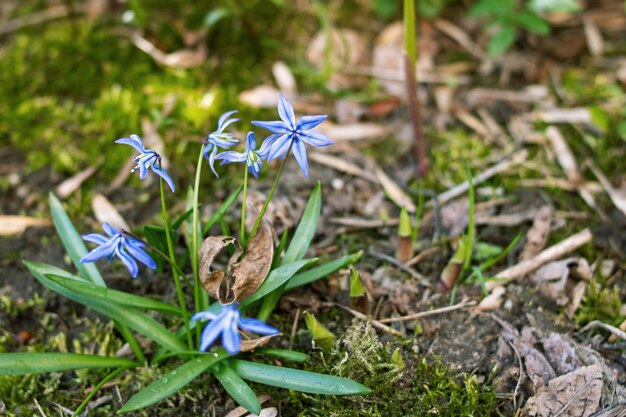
x=424, y=386
x=600, y=303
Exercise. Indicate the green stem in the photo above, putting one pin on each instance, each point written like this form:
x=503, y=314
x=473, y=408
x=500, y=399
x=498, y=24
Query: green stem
x=194, y=242
x=243, y=205
x=175, y=275
x=95, y=390
x=269, y=197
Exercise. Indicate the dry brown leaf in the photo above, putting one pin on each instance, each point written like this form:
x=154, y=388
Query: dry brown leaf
x=243, y=275
x=348, y=48
x=618, y=196
x=250, y=272
x=342, y=165
x=537, y=235
x=14, y=225
x=492, y=301
x=213, y=282
x=67, y=187
x=576, y=297
x=251, y=344
x=185, y=58
x=241, y=411
x=394, y=192
x=360, y=133
x=284, y=78
x=261, y=97
x=105, y=211
x=561, y=352
x=576, y=394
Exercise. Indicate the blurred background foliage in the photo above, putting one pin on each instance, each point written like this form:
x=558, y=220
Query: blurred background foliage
x=72, y=85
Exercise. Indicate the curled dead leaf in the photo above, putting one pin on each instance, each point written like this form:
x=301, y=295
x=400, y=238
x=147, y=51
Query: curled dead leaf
x=244, y=274
x=251, y=344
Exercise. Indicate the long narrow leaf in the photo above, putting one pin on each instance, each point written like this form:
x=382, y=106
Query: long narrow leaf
x=72, y=242
x=290, y=355
x=222, y=210
x=127, y=316
x=296, y=379
x=306, y=229
x=237, y=388
x=36, y=363
x=173, y=381
x=277, y=278
x=321, y=271
x=113, y=296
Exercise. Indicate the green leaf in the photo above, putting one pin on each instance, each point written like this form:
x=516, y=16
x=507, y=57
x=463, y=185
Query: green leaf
x=36, y=363
x=155, y=235
x=277, y=278
x=321, y=271
x=287, y=354
x=501, y=41
x=237, y=388
x=297, y=380
x=306, y=229
x=173, y=381
x=222, y=210
x=127, y=316
x=73, y=242
x=551, y=6
x=533, y=23
x=113, y=296
x=410, y=38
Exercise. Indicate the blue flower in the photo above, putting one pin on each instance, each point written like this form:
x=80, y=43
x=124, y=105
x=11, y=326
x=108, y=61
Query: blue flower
x=120, y=245
x=146, y=159
x=219, y=139
x=227, y=323
x=289, y=133
x=250, y=156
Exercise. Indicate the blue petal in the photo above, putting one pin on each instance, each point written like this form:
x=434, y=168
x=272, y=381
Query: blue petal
x=128, y=261
x=137, y=144
x=224, y=140
x=210, y=334
x=103, y=251
x=141, y=255
x=143, y=170
x=257, y=326
x=231, y=339
x=255, y=169
x=267, y=145
x=223, y=118
x=95, y=238
x=161, y=172
x=203, y=315
x=212, y=160
x=280, y=147
x=109, y=230
x=231, y=156
x=315, y=138
x=285, y=111
x=274, y=127
x=309, y=122
x=299, y=151
x=250, y=142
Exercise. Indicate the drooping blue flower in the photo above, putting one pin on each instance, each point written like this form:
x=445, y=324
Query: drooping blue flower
x=118, y=244
x=219, y=139
x=250, y=156
x=289, y=133
x=146, y=159
x=226, y=323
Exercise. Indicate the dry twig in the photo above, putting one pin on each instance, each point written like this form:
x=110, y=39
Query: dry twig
x=552, y=253
x=415, y=316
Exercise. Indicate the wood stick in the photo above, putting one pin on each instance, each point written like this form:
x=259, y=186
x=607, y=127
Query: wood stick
x=552, y=253
x=415, y=316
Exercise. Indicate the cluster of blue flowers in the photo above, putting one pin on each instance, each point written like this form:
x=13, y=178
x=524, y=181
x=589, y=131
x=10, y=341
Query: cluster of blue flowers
x=288, y=135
